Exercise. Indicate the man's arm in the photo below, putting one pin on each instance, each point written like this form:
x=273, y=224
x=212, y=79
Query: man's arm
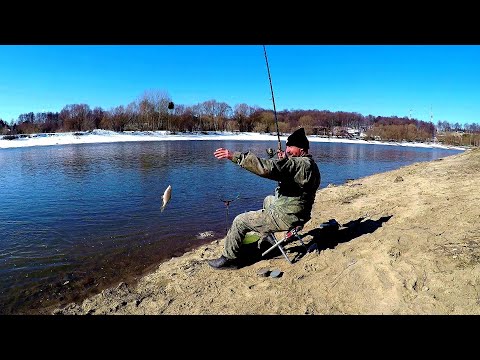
x=267, y=168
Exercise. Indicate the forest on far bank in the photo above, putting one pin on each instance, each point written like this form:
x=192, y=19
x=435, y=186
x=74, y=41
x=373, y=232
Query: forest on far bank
x=156, y=111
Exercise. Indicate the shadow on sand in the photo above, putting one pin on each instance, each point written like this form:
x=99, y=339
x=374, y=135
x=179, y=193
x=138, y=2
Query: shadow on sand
x=322, y=238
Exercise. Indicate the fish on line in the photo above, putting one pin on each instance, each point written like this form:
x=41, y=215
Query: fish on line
x=166, y=197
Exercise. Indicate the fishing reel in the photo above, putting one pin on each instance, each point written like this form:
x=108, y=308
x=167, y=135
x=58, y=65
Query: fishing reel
x=271, y=153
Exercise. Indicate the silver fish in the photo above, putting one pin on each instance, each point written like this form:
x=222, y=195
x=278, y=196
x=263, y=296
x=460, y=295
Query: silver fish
x=166, y=197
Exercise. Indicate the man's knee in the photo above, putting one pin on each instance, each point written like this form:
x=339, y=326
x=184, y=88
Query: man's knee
x=249, y=220
x=268, y=201
x=241, y=220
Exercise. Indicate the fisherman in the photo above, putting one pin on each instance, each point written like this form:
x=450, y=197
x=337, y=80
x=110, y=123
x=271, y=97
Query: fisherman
x=298, y=180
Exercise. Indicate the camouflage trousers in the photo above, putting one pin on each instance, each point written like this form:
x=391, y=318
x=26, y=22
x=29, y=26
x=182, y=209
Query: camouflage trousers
x=260, y=221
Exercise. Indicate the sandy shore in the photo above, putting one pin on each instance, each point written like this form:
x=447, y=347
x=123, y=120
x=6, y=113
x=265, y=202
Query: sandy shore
x=409, y=243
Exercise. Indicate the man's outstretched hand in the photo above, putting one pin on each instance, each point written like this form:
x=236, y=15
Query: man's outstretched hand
x=222, y=153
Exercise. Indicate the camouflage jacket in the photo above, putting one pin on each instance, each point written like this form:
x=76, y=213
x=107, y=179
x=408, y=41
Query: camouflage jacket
x=298, y=180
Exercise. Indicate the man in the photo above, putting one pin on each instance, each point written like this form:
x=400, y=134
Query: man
x=298, y=180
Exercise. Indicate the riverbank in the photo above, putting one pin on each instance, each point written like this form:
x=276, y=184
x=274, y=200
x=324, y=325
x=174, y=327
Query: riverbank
x=409, y=243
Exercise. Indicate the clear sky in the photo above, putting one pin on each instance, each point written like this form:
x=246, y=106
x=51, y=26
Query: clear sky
x=381, y=80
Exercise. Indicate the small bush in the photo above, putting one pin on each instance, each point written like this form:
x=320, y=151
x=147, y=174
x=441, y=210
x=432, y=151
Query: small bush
x=10, y=137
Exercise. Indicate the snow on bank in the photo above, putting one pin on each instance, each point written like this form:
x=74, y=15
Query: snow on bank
x=103, y=136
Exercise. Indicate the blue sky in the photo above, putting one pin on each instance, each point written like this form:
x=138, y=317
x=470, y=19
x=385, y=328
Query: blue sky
x=380, y=80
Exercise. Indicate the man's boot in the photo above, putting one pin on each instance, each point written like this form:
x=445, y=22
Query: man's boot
x=223, y=263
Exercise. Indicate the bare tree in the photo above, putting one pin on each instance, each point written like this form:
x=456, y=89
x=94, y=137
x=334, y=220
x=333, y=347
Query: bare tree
x=307, y=122
x=73, y=116
x=242, y=115
x=159, y=100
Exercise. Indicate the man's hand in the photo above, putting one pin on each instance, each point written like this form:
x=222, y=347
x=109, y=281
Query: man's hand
x=281, y=154
x=222, y=153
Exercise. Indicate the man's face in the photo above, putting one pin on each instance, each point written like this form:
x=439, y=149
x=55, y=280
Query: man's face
x=294, y=151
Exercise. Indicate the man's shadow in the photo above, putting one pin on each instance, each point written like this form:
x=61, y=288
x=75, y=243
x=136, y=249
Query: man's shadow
x=329, y=238
x=322, y=238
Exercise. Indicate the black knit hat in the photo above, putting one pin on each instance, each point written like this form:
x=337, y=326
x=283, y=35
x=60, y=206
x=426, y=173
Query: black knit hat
x=298, y=139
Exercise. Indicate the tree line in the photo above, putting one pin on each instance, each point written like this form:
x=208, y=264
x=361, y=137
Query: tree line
x=155, y=110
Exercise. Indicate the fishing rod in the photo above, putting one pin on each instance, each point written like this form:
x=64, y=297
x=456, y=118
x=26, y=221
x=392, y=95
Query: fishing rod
x=270, y=150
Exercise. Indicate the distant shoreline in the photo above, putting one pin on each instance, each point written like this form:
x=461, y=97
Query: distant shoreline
x=104, y=136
